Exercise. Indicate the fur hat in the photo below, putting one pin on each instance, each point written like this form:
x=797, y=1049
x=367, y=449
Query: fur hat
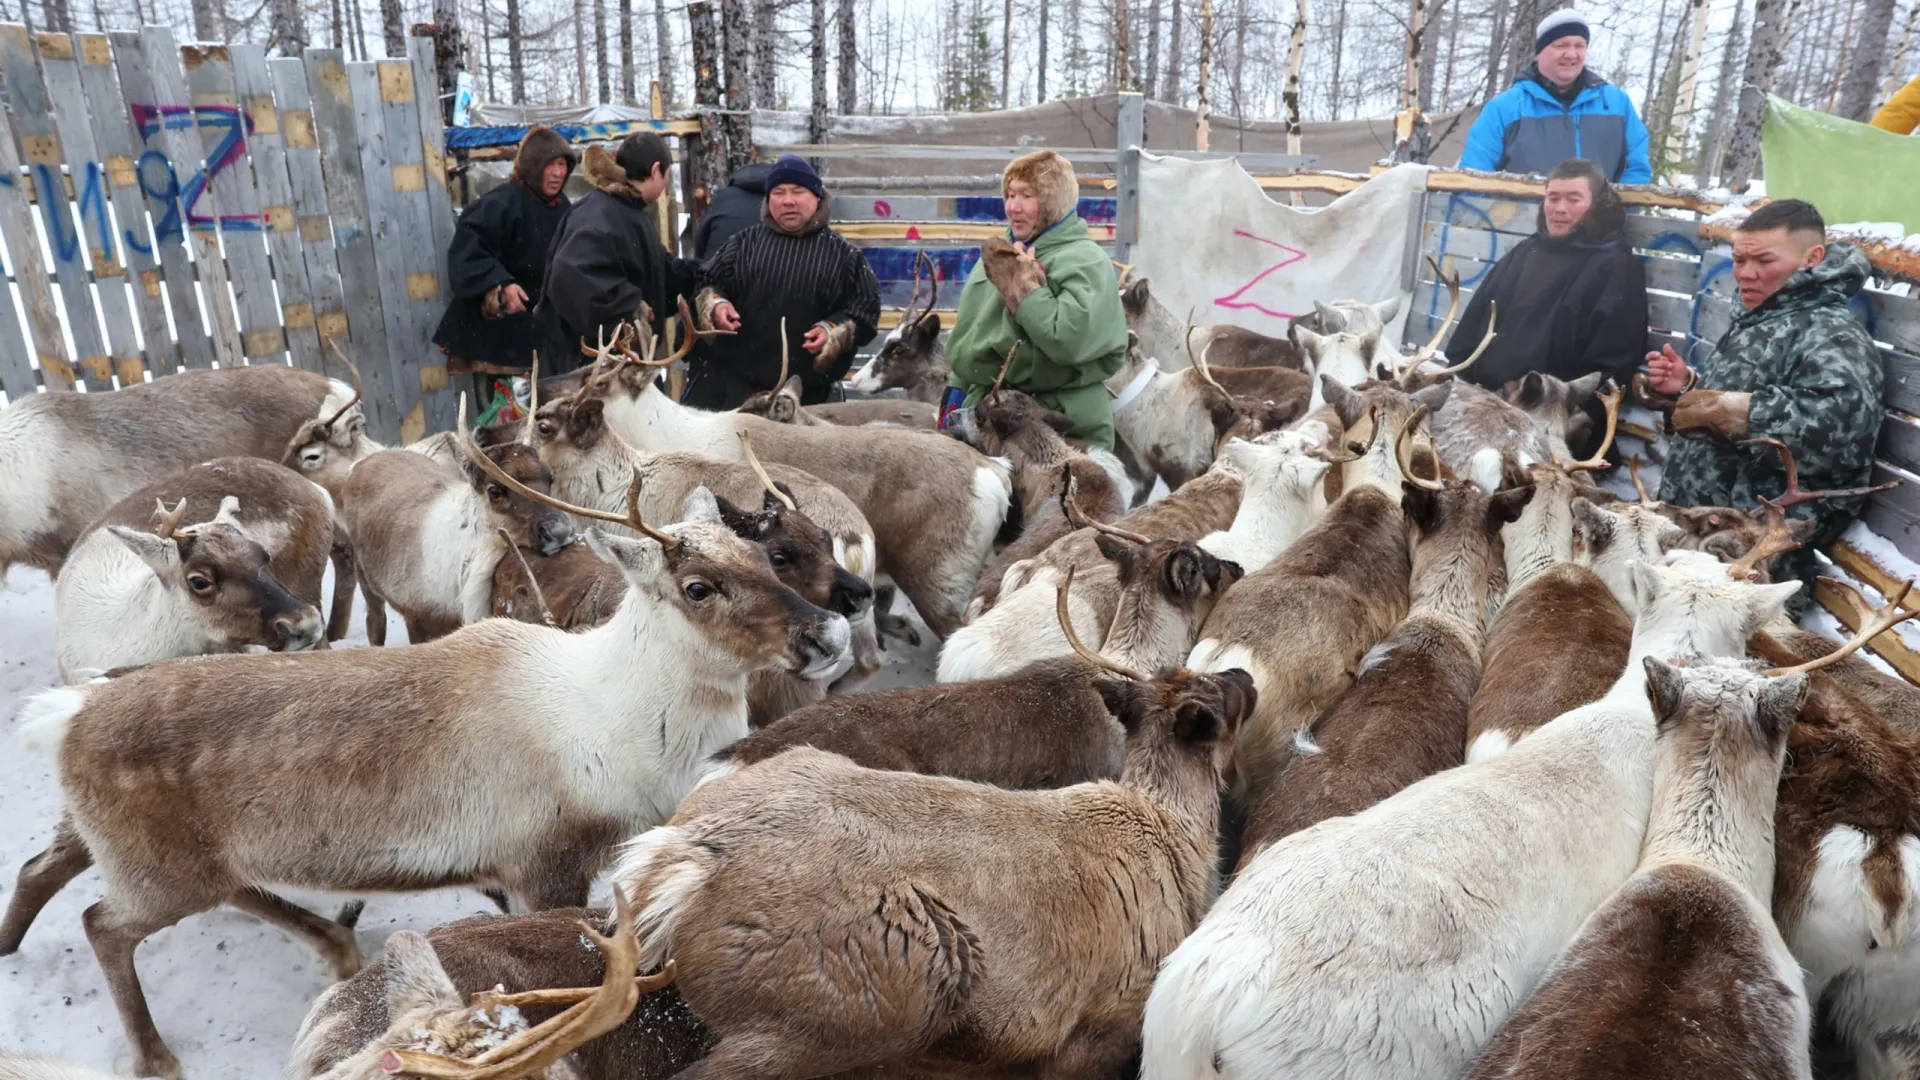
x=539, y=147
x=1053, y=182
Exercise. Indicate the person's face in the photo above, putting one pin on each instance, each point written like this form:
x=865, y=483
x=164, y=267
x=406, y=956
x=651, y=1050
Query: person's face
x=1023, y=210
x=1763, y=261
x=1568, y=201
x=791, y=206
x=554, y=177
x=1562, y=61
x=655, y=183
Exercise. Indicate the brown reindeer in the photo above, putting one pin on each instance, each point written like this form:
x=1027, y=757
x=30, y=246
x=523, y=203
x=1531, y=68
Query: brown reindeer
x=1405, y=717
x=1681, y=973
x=911, y=358
x=783, y=406
x=894, y=920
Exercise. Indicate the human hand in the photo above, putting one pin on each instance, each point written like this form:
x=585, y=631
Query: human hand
x=815, y=340
x=513, y=297
x=725, y=317
x=1667, y=373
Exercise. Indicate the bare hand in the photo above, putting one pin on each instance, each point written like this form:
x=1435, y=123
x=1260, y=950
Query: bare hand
x=514, y=297
x=725, y=317
x=1667, y=373
x=815, y=340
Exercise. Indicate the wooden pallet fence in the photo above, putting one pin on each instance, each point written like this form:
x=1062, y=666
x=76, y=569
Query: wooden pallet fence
x=167, y=206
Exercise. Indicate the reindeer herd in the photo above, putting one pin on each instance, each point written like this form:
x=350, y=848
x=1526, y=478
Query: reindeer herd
x=1383, y=744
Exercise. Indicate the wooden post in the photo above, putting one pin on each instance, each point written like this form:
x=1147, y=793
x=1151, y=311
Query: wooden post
x=1203, y=100
x=1130, y=132
x=663, y=207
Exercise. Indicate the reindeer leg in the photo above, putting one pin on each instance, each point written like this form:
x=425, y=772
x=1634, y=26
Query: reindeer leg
x=343, y=582
x=115, y=930
x=41, y=877
x=334, y=941
x=376, y=615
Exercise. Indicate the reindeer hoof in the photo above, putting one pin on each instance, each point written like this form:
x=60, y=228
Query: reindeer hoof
x=897, y=627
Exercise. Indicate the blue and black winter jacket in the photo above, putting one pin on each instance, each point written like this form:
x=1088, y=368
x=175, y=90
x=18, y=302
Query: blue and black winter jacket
x=1528, y=129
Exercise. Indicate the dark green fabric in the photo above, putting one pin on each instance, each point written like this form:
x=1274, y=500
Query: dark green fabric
x=1071, y=331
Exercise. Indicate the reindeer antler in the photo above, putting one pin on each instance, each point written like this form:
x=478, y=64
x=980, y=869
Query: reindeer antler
x=1777, y=540
x=1000, y=379
x=533, y=583
x=1199, y=362
x=759, y=470
x=1403, y=453
x=1070, y=505
x=631, y=519
x=598, y=1011
x=782, y=380
x=1611, y=398
x=166, y=523
x=1486, y=339
x=528, y=436
x=1794, y=496
x=1073, y=639
x=1634, y=464
x=327, y=424
x=1889, y=617
x=1426, y=352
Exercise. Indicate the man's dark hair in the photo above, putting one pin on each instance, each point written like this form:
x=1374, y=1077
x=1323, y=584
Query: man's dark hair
x=1793, y=215
x=638, y=154
x=1607, y=217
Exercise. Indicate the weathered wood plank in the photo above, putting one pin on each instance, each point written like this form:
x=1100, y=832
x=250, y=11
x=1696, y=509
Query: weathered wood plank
x=1459, y=242
x=1671, y=313
x=94, y=228
x=23, y=248
x=1672, y=275
x=1648, y=232
x=266, y=147
x=40, y=145
x=1889, y=646
x=337, y=132
x=175, y=123
x=313, y=229
x=1902, y=387
x=423, y=262
x=433, y=149
x=363, y=88
x=1895, y=514
x=1515, y=218
x=104, y=110
x=232, y=200
x=128, y=107
x=1896, y=319
x=1899, y=442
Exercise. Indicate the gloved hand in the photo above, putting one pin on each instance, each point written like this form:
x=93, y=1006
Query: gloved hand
x=1713, y=412
x=1012, y=269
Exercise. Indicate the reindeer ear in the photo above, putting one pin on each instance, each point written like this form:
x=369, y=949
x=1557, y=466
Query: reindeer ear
x=770, y=503
x=1223, y=413
x=1185, y=576
x=1309, y=342
x=415, y=979
x=1122, y=699
x=1582, y=388
x=1133, y=296
x=926, y=329
x=1769, y=602
x=1666, y=686
x=1591, y=522
x=586, y=420
x=1115, y=550
x=1647, y=584
x=742, y=522
x=639, y=560
x=1198, y=724
x=783, y=408
x=162, y=554
x=1778, y=708
x=1369, y=343
x=1505, y=506
x=1435, y=397
x=700, y=506
x=1330, y=319
x=1059, y=422
x=1420, y=505
x=1386, y=309
x=1346, y=402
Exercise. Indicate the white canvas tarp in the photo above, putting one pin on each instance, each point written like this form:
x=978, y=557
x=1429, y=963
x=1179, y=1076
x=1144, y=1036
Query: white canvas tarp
x=1212, y=241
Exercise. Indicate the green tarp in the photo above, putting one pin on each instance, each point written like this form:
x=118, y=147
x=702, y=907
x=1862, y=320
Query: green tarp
x=1851, y=171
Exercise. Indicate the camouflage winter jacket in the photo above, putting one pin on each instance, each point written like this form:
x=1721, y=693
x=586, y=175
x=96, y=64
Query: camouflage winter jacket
x=1816, y=380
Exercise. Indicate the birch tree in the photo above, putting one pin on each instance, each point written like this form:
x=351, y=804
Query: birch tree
x=1860, y=89
x=1770, y=19
x=817, y=116
x=393, y=27
x=849, y=62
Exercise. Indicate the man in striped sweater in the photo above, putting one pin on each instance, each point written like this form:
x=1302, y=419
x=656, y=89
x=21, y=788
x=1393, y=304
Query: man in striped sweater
x=792, y=267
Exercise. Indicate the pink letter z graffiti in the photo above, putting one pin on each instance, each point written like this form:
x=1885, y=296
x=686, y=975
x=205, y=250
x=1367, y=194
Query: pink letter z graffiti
x=1237, y=298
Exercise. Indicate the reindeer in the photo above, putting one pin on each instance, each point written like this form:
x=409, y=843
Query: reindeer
x=325, y=449
x=1719, y=995
x=1162, y=334
x=935, y=504
x=911, y=357
x=1405, y=716
x=783, y=406
x=911, y=894
x=1169, y=424
x=140, y=586
x=70, y=457
x=1283, y=492
x=380, y=769
x=15, y=1067
x=1317, y=963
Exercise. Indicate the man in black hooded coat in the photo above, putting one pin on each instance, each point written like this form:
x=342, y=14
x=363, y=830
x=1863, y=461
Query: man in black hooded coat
x=608, y=264
x=1568, y=301
x=497, y=263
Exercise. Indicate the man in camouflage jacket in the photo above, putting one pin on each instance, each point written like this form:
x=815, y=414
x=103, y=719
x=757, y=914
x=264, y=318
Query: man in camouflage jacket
x=1795, y=366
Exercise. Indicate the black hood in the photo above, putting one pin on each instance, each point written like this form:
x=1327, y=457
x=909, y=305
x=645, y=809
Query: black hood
x=751, y=178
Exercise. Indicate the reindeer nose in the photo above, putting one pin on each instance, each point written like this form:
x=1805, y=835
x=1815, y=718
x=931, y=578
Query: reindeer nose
x=852, y=596
x=554, y=533
x=824, y=645
x=298, y=630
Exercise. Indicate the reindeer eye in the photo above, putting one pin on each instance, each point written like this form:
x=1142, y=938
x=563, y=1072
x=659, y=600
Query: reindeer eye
x=698, y=591
x=778, y=558
x=545, y=427
x=200, y=583
x=497, y=493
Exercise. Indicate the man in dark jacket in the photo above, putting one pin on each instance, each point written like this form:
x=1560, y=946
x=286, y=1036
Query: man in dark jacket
x=789, y=267
x=497, y=262
x=1558, y=108
x=1796, y=366
x=734, y=209
x=607, y=264
x=1568, y=301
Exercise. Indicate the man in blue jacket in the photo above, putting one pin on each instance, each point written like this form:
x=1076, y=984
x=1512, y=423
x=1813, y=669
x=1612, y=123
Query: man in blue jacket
x=1558, y=109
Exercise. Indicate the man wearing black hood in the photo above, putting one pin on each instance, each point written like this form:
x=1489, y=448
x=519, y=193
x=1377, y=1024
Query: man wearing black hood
x=497, y=263
x=1568, y=301
x=734, y=209
x=607, y=263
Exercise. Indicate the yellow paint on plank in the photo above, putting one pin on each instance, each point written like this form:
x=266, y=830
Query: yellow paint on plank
x=297, y=316
x=99, y=366
x=433, y=377
x=55, y=373
x=924, y=230
x=396, y=81
x=94, y=50
x=266, y=118
x=890, y=319
x=121, y=171
x=268, y=342
x=423, y=286
x=333, y=76
x=297, y=126
x=414, y=427
x=130, y=371
x=434, y=161
x=409, y=178
x=315, y=229
x=104, y=264
x=56, y=47
x=41, y=149
x=278, y=218
x=334, y=325
x=150, y=281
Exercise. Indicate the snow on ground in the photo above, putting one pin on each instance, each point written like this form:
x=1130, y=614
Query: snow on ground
x=227, y=991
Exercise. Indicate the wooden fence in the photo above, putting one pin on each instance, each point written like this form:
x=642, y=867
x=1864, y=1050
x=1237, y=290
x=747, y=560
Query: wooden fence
x=167, y=206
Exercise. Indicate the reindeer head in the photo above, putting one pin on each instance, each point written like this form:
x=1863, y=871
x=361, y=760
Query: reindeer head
x=1344, y=356
x=800, y=552
x=1557, y=406
x=1458, y=523
x=911, y=356
x=1610, y=541
x=1692, y=615
x=527, y=522
x=326, y=448
x=1013, y=425
x=1167, y=590
x=781, y=406
x=227, y=577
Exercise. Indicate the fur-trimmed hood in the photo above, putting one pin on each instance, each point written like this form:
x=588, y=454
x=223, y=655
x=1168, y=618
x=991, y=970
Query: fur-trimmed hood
x=538, y=147
x=604, y=173
x=1052, y=179
x=821, y=215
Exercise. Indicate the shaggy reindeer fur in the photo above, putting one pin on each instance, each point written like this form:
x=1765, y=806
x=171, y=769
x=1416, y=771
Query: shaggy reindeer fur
x=1888, y=697
x=821, y=922
x=912, y=358
x=1681, y=974
x=580, y=588
x=424, y=982
x=935, y=505
x=1405, y=716
x=503, y=754
x=783, y=406
x=1282, y=494
x=126, y=597
x=1481, y=437
x=1170, y=427
x=1402, y=962
x=426, y=539
x=1021, y=628
x=15, y=1067
x=67, y=458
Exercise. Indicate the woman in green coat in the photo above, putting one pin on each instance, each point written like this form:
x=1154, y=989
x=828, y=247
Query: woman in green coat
x=1049, y=298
